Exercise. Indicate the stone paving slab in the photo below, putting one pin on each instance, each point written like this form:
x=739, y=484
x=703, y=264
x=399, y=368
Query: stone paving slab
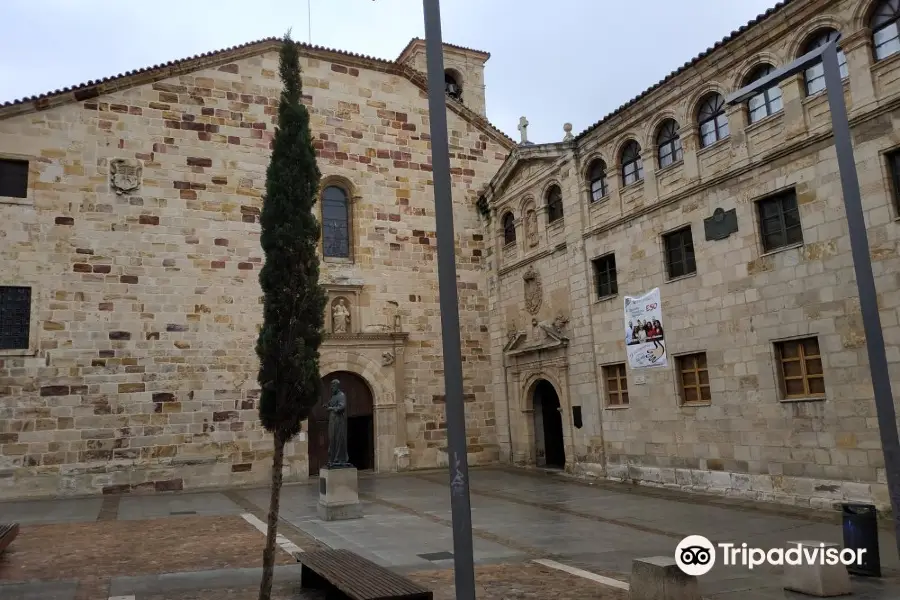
x=165, y=505
x=64, y=510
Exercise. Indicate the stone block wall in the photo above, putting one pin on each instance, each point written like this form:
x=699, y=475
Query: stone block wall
x=142, y=371
x=749, y=440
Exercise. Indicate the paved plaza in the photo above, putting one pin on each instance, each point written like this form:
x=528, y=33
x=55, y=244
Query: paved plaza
x=536, y=536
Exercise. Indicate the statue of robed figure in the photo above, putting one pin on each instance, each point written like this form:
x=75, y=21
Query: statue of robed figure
x=337, y=428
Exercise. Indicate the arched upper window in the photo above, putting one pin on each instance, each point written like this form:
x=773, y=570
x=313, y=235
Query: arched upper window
x=632, y=165
x=815, y=75
x=712, y=119
x=554, y=204
x=767, y=102
x=509, y=228
x=335, y=222
x=452, y=85
x=597, y=178
x=668, y=143
x=885, y=25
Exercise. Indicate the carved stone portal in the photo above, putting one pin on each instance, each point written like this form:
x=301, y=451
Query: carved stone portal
x=534, y=293
x=387, y=359
x=125, y=175
x=340, y=315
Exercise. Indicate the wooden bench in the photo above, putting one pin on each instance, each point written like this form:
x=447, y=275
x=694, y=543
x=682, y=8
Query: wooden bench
x=354, y=577
x=7, y=534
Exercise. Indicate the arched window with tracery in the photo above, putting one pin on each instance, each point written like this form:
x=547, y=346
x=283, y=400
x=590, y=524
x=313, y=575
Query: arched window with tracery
x=668, y=144
x=632, y=164
x=509, y=228
x=885, y=26
x=712, y=119
x=767, y=102
x=597, y=179
x=815, y=75
x=554, y=204
x=335, y=222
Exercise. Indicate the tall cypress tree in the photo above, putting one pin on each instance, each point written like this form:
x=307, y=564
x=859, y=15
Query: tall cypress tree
x=294, y=302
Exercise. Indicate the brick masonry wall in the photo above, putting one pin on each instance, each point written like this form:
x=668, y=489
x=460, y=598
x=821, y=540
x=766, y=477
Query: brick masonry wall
x=747, y=441
x=146, y=305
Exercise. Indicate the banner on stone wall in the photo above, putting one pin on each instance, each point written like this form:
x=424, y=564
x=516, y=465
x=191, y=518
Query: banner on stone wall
x=645, y=342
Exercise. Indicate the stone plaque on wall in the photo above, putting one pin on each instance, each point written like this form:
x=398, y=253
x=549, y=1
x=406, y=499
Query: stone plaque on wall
x=721, y=224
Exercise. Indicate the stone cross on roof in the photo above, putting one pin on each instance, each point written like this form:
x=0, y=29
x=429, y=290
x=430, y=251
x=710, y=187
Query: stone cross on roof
x=523, y=129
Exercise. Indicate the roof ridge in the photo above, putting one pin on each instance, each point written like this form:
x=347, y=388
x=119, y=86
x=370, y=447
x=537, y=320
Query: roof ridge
x=414, y=76
x=727, y=39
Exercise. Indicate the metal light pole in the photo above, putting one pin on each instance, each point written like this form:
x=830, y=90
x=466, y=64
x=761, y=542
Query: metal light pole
x=463, y=565
x=859, y=245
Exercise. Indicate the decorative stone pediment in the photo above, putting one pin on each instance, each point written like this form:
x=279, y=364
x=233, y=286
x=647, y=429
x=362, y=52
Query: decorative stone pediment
x=547, y=335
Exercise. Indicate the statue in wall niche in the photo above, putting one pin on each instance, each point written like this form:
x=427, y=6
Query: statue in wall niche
x=531, y=227
x=337, y=428
x=340, y=316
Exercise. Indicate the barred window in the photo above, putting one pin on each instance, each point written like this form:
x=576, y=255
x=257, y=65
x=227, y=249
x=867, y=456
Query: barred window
x=335, y=223
x=712, y=119
x=668, y=144
x=15, y=317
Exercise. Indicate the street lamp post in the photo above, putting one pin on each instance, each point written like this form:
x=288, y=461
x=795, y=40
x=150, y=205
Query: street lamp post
x=463, y=565
x=859, y=245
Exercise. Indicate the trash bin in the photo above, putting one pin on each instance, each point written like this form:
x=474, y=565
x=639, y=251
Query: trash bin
x=861, y=532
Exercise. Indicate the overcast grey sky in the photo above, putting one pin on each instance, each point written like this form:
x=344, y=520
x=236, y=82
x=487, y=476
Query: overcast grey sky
x=553, y=61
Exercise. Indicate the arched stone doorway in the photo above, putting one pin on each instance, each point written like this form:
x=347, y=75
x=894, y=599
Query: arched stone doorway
x=360, y=423
x=549, y=444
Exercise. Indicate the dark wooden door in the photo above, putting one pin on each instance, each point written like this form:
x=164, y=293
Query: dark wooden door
x=359, y=407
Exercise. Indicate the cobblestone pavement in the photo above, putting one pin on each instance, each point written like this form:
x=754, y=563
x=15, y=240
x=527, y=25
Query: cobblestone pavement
x=199, y=545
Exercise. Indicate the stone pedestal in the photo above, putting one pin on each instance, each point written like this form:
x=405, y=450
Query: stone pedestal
x=659, y=578
x=822, y=581
x=339, y=494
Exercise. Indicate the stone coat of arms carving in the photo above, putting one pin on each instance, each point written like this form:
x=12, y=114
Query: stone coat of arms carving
x=125, y=175
x=534, y=292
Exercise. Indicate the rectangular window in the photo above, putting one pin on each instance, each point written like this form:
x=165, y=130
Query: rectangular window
x=779, y=221
x=605, y=274
x=679, y=246
x=616, y=385
x=693, y=378
x=15, y=317
x=893, y=160
x=800, y=368
x=13, y=178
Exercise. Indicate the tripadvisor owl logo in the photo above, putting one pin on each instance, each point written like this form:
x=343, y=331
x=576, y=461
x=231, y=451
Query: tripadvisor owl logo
x=695, y=555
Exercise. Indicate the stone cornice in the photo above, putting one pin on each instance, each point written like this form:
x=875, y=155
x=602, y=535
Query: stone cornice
x=781, y=152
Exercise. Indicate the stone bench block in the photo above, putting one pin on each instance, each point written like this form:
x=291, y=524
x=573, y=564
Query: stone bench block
x=659, y=578
x=822, y=581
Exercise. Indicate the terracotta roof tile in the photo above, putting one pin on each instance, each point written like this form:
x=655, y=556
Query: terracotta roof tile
x=417, y=78
x=172, y=63
x=729, y=38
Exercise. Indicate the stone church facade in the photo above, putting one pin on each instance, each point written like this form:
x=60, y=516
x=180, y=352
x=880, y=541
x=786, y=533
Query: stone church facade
x=129, y=257
x=735, y=214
